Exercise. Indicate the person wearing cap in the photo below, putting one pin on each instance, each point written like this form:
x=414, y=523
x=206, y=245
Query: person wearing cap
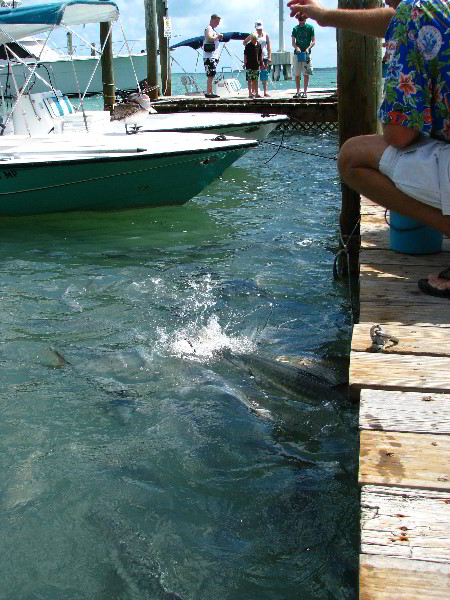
x=264, y=42
x=303, y=39
x=211, y=56
x=252, y=63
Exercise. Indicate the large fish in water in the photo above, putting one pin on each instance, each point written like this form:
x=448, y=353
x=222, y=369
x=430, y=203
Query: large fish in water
x=122, y=401
x=130, y=553
x=307, y=377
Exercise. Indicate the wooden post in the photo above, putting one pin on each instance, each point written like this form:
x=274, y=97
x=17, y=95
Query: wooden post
x=164, y=54
x=109, y=88
x=359, y=92
x=152, y=47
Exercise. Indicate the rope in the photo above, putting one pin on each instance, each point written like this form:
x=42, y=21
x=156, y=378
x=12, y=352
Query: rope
x=337, y=273
x=380, y=337
x=279, y=148
x=129, y=55
x=302, y=151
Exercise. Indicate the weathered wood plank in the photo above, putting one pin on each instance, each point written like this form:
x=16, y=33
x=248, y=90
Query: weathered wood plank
x=373, y=237
x=405, y=412
x=379, y=258
x=405, y=459
x=389, y=578
x=406, y=523
x=430, y=341
x=409, y=273
x=399, y=291
x=403, y=314
x=399, y=372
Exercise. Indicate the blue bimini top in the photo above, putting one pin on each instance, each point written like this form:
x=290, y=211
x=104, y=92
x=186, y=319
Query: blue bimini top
x=17, y=23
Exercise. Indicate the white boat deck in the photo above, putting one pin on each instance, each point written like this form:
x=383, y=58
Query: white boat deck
x=50, y=148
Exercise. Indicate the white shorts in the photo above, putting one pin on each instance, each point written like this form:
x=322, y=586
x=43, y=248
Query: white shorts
x=421, y=171
x=302, y=68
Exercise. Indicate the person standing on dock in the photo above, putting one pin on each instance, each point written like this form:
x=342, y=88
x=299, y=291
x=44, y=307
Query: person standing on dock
x=303, y=39
x=252, y=63
x=407, y=168
x=211, y=53
x=264, y=42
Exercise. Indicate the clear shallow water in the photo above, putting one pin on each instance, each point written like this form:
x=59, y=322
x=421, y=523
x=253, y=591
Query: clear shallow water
x=145, y=462
x=321, y=78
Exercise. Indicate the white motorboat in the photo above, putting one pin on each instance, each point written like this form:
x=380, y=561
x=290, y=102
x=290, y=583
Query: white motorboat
x=60, y=68
x=49, y=163
x=251, y=126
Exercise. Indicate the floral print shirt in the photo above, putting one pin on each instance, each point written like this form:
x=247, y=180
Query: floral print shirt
x=417, y=83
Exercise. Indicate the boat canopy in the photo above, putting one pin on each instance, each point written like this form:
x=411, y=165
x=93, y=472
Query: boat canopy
x=197, y=42
x=21, y=22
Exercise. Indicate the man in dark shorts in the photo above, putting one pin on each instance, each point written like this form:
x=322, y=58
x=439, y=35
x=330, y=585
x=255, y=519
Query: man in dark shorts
x=211, y=57
x=252, y=63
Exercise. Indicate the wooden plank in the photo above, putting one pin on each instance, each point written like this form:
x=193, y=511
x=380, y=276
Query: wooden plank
x=430, y=341
x=405, y=412
x=430, y=315
x=395, y=272
x=405, y=522
x=389, y=578
x=399, y=291
x=380, y=371
x=405, y=459
x=377, y=237
x=379, y=257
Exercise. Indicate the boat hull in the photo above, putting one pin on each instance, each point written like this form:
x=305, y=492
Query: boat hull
x=109, y=184
x=250, y=131
x=61, y=74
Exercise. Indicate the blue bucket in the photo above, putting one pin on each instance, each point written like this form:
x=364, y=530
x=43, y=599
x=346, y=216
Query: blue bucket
x=413, y=237
x=264, y=75
x=302, y=56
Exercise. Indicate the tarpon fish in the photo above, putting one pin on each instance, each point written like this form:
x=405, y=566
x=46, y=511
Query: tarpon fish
x=304, y=380
x=122, y=400
x=130, y=553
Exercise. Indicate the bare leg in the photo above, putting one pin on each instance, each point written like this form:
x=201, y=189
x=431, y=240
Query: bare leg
x=305, y=83
x=297, y=83
x=265, y=86
x=209, y=85
x=249, y=85
x=358, y=164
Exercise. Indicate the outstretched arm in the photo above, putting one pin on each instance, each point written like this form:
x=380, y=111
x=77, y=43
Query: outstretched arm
x=371, y=21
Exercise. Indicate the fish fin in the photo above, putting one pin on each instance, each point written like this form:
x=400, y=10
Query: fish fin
x=61, y=360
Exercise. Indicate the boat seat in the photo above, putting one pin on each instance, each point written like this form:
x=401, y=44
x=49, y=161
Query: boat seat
x=32, y=117
x=57, y=104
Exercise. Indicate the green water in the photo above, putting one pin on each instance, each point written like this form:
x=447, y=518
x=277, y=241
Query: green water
x=137, y=460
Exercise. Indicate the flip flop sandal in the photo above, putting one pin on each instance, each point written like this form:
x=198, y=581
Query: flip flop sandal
x=426, y=287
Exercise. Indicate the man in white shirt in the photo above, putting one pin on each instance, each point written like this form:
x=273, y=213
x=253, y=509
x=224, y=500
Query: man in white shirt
x=211, y=53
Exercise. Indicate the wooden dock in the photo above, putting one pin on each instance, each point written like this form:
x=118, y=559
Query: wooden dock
x=320, y=107
x=404, y=420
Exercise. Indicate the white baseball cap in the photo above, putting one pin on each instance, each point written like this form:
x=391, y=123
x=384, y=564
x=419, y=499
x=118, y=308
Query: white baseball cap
x=258, y=25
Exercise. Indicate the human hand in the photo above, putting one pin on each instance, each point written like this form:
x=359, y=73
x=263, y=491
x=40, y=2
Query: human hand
x=311, y=8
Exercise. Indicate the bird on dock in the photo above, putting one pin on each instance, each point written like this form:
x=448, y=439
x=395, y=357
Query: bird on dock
x=133, y=111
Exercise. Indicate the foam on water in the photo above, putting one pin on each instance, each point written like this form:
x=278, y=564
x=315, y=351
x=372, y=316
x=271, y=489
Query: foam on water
x=203, y=342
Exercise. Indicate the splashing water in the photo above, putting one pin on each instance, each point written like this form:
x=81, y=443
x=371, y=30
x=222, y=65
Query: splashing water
x=202, y=343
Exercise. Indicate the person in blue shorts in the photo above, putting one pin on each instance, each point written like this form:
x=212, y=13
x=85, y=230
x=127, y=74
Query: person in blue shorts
x=303, y=40
x=407, y=168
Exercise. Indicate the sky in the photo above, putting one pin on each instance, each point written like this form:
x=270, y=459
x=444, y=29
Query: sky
x=190, y=17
